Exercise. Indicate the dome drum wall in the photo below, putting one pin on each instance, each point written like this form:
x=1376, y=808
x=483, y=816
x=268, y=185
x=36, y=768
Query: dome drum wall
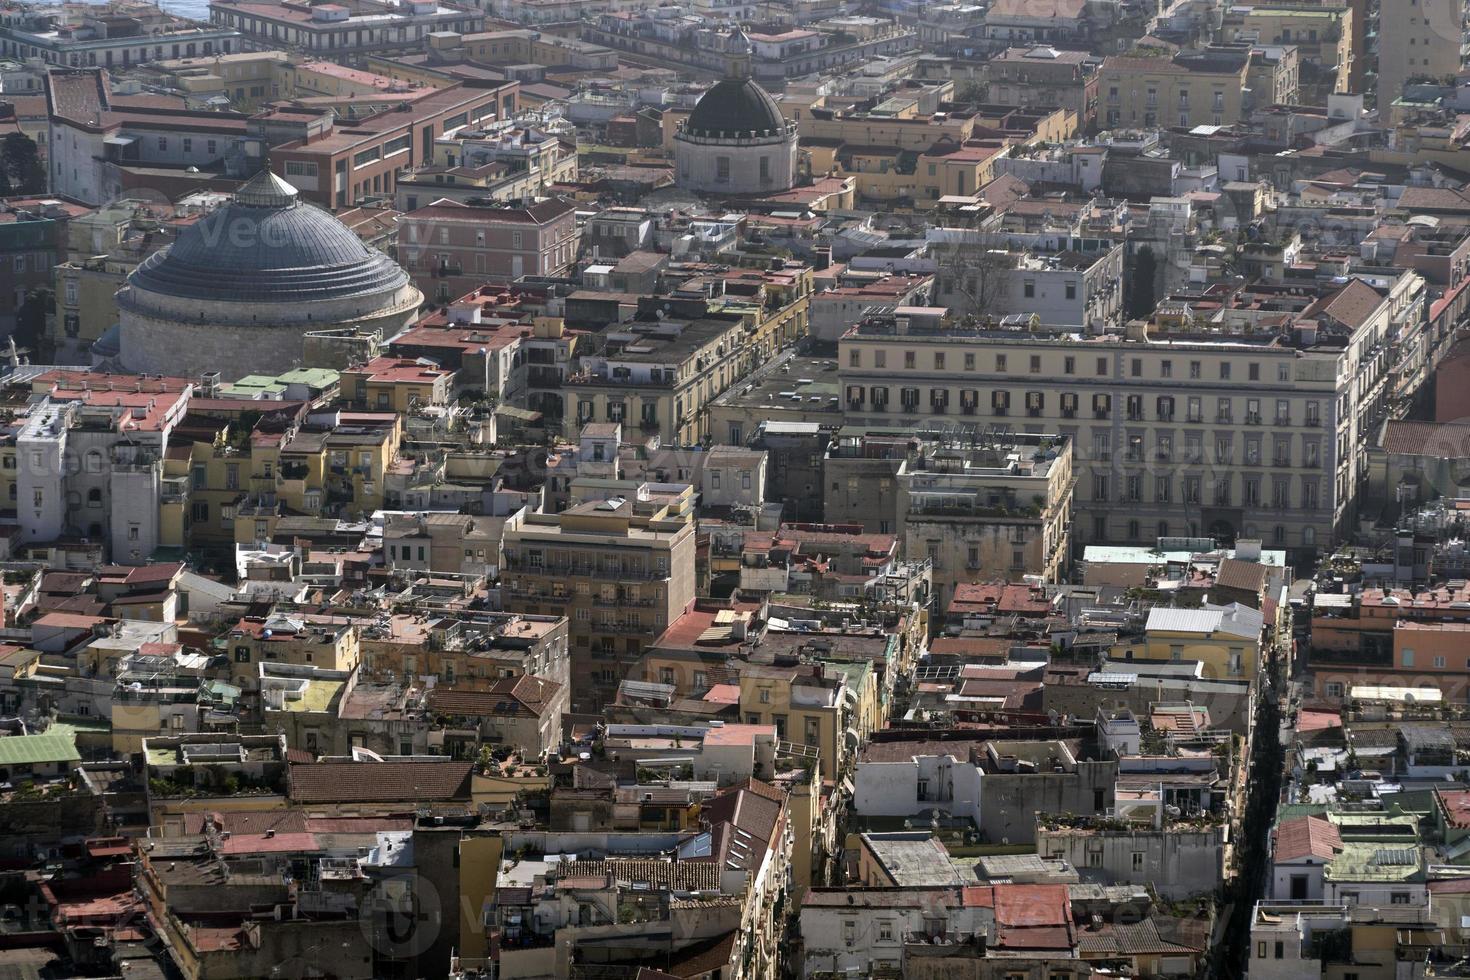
x=238, y=289
x=180, y=348
x=736, y=141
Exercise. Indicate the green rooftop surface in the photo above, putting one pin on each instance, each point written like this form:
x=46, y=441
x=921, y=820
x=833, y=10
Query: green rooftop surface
x=50, y=746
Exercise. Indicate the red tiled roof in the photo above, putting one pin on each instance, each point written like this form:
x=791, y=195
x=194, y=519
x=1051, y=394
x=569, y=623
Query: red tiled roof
x=268, y=843
x=527, y=693
x=380, y=782
x=1441, y=440
x=1307, y=836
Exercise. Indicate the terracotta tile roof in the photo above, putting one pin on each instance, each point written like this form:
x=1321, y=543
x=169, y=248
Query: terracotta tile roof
x=1130, y=939
x=1236, y=574
x=248, y=822
x=1351, y=305
x=1307, y=837
x=687, y=876
x=268, y=843
x=699, y=959
x=379, y=782
x=742, y=824
x=1442, y=440
x=526, y=694
x=1421, y=199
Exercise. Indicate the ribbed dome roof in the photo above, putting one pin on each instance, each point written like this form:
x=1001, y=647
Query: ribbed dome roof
x=265, y=246
x=735, y=108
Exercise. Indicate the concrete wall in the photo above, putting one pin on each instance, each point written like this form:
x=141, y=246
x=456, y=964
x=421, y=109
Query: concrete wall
x=1180, y=862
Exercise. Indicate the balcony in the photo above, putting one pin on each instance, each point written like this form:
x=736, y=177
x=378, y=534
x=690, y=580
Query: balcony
x=623, y=628
x=532, y=595
x=1251, y=418
x=622, y=601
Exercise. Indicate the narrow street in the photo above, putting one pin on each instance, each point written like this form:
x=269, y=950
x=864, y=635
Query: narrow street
x=1263, y=792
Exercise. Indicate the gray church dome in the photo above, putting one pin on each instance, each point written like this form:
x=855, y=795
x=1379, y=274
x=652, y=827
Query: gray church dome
x=266, y=246
x=735, y=108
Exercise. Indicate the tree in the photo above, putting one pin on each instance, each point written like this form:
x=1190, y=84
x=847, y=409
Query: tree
x=971, y=92
x=22, y=164
x=1141, y=288
x=972, y=271
x=30, y=318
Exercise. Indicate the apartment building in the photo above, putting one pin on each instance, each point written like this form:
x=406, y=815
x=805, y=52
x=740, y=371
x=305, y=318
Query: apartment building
x=467, y=650
x=1322, y=35
x=304, y=641
x=976, y=505
x=103, y=144
x=508, y=166
x=248, y=79
x=351, y=27
x=1190, y=89
x=620, y=569
x=1256, y=435
x=896, y=176
x=1063, y=280
x=103, y=37
x=452, y=248
x=661, y=374
x=87, y=462
x=806, y=703
x=335, y=162
x=1417, y=39
x=1043, y=76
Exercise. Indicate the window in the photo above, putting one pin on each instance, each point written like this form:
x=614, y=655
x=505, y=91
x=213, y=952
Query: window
x=1035, y=363
x=969, y=362
x=1224, y=370
x=1000, y=363
x=1028, y=289
x=910, y=359
x=1137, y=860
x=1194, y=370
x=722, y=170
x=1102, y=367
x=1069, y=365
x=939, y=360
x=1136, y=368
x=855, y=358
